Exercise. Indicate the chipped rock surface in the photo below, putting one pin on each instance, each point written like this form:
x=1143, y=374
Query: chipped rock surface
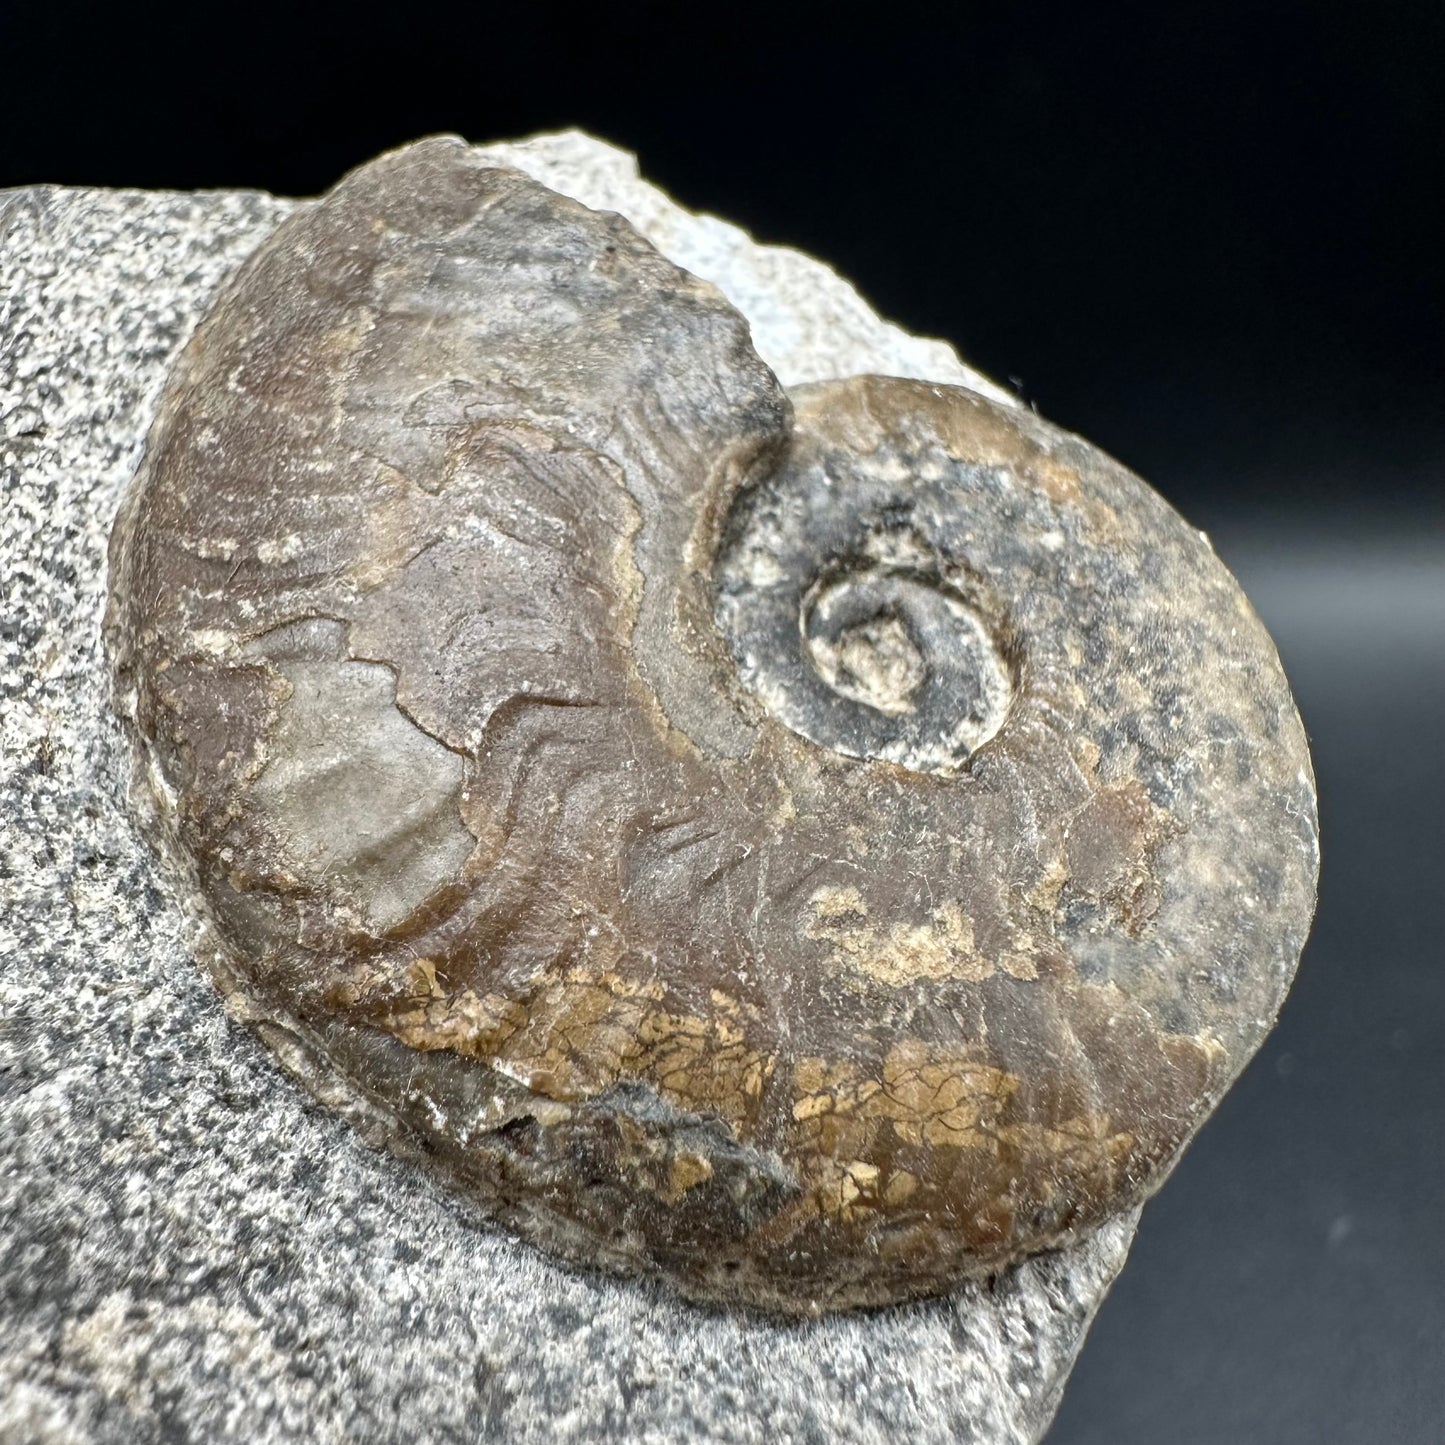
x=189, y=1248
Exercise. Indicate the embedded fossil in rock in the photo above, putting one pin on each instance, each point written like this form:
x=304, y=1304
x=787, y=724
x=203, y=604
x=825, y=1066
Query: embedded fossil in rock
x=811, y=847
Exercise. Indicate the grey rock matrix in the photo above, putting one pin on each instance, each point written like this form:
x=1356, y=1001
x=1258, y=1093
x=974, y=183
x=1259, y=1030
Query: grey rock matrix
x=189, y=1249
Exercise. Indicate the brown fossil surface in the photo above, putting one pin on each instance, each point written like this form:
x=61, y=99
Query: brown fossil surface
x=809, y=847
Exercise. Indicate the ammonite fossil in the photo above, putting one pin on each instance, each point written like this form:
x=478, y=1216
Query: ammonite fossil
x=810, y=847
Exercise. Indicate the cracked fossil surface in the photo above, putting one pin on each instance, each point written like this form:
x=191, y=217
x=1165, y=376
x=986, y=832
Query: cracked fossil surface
x=811, y=846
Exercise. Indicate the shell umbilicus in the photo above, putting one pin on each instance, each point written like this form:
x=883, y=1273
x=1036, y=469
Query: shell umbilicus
x=810, y=846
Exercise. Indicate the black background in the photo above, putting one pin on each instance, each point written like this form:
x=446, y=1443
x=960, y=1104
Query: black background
x=1207, y=236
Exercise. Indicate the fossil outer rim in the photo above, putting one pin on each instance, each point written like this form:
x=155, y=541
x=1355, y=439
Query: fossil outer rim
x=452, y=611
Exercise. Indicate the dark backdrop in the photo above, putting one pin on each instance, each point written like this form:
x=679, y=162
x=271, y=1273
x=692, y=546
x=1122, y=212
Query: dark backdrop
x=1206, y=235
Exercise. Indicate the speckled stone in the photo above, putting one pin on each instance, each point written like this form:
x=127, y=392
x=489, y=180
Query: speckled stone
x=189, y=1248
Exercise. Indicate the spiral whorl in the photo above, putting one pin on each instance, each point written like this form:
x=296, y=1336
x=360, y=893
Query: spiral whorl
x=811, y=847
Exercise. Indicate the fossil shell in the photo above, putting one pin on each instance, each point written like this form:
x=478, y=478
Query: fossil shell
x=812, y=848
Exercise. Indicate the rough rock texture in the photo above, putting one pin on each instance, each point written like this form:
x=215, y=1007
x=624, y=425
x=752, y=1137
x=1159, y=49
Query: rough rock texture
x=189, y=1249
x=905, y=920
